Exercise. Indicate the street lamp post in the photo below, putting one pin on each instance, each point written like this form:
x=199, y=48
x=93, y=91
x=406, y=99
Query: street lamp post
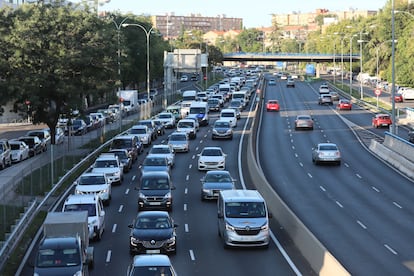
x=360, y=41
x=118, y=30
x=147, y=33
x=350, y=66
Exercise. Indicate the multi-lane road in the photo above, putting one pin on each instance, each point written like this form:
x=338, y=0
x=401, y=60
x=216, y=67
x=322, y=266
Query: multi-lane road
x=360, y=210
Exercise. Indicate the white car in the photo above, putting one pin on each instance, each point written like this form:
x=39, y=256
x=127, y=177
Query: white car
x=59, y=136
x=109, y=164
x=167, y=118
x=94, y=183
x=187, y=126
x=211, y=158
x=143, y=133
x=229, y=115
x=19, y=151
x=163, y=150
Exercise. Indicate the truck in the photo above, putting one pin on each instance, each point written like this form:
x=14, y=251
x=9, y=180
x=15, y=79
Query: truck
x=128, y=100
x=64, y=248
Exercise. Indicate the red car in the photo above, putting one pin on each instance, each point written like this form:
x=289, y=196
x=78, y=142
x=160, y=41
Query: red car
x=344, y=104
x=398, y=98
x=272, y=105
x=381, y=120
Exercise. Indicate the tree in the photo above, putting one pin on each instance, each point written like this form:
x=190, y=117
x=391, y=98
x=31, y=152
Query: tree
x=60, y=60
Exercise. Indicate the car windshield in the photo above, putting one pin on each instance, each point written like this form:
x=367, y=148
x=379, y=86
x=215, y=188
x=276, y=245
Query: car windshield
x=178, y=138
x=227, y=114
x=138, y=131
x=77, y=123
x=165, y=116
x=121, y=143
x=186, y=124
x=90, y=207
x=222, y=124
x=217, y=178
x=160, y=150
x=38, y=134
x=121, y=154
x=245, y=210
x=272, y=102
x=153, y=223
x=211, y=152
x=12, y=147
x=92, y=180
x=29, y=142
x=59, y=257
x=303, y=118
x=155, y=162
x=106, y=164
x=152, y=183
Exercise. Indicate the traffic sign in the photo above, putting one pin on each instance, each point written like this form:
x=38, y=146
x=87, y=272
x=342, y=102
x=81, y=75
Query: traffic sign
x=377, y=92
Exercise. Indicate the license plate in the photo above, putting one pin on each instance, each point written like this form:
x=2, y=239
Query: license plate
x=155, y=203
x=153, y=251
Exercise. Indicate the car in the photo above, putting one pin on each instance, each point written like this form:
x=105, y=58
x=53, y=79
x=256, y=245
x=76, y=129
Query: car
x=96, y=184
x=407, y=93
x=167, y=118
x=165, y=151
x=213, y=104
x=19, y=150
x=43, y=134
x=179, y=142
x=148, y=264
x=272, y=105
x=324, y=88
x=143, y=133
x=34, y=143
x=236, y=103
x=290, y=82
x=184, y=78
x=344, y=104
x=326, y=152
x=109, y=164
x=398, y=98
x=188, y=126
x=153, y=232
x=381, y=120
x=334, y=95
x=96, y=214
x=5, y=154
x=154, y=191
x=78, y=127
x=211, y=158
x=411, y=136
x=219, y=97
x=155, y=163
x=325, y=99
x=222, y=130
x=215, y=181
x=124, y=157
x=194, y=117
x=230, y=115
x=59, y=136
x=304, y=122
x=128, y=142
x=202, y=96
x=151, y=126
x=237, y=110
x=272, y=82
x=284, y=76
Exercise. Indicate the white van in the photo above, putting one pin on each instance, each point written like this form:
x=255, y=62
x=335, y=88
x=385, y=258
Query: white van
x=200, y=109
x=243, y=219
x=229, y=115
x=96, y=214
x=189, y=95
x=241, y=95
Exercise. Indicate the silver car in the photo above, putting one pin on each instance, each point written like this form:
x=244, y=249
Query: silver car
x=165, y=151
x=214, y=182
x=326, y=152
x=179, y=142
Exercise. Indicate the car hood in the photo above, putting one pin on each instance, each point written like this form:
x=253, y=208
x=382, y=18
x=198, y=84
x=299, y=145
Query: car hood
x=222, y=129
x=211, y=158
x=152, y=234
x=218, y=185
x=177, y=142
x=57, y=271
x=154, y=168
x=168, y=156
x=105, y=170
x=154, y=192
x=91, y=188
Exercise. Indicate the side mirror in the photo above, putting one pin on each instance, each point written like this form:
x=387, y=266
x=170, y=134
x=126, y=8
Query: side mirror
x=130, y=225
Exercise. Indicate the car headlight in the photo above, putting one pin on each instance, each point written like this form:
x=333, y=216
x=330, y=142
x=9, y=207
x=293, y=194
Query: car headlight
x=117, y=173
x=167, y=195
x=229, y=227
x=142, y=196
x=93, y=222
x=134, y=240
x=215, y=131
x=171, y=240
x=78, y=192
x=264, y=227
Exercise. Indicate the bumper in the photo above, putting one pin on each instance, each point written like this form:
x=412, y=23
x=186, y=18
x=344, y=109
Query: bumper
x=231, y=238
x=160, y=247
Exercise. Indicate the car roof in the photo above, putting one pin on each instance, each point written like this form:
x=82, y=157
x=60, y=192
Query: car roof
x=151, y=260
x=155, y=174
x=81, y=199
x=327, y=144
x=212, y=147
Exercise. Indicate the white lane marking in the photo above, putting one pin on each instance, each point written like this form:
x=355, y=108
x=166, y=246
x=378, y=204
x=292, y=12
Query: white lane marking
x=114, y=228
x=396, y=204
x=192, y=157
x=185, y=206
x=322, y=188
x=301, y=164
x=108, y=256
x=296, y=155
x=190, y=166
x=186, y=228
x=357, y=175
x=293, y=147
x=187, y=177
x=361, y=224
x=346, y=165
x=186, y=191
x=120, y=208
x=133, y=178
x=310, y=175
x=201, y=141
x=390, y=249
x=339, y=204
x=375, y=189
x=192, y=257
x=196, y=148
x=127, y=191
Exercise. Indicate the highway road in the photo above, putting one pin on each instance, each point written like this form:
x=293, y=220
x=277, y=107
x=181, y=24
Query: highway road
x=362, y=210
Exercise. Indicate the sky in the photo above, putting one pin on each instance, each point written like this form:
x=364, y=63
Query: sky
x=256, y=13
